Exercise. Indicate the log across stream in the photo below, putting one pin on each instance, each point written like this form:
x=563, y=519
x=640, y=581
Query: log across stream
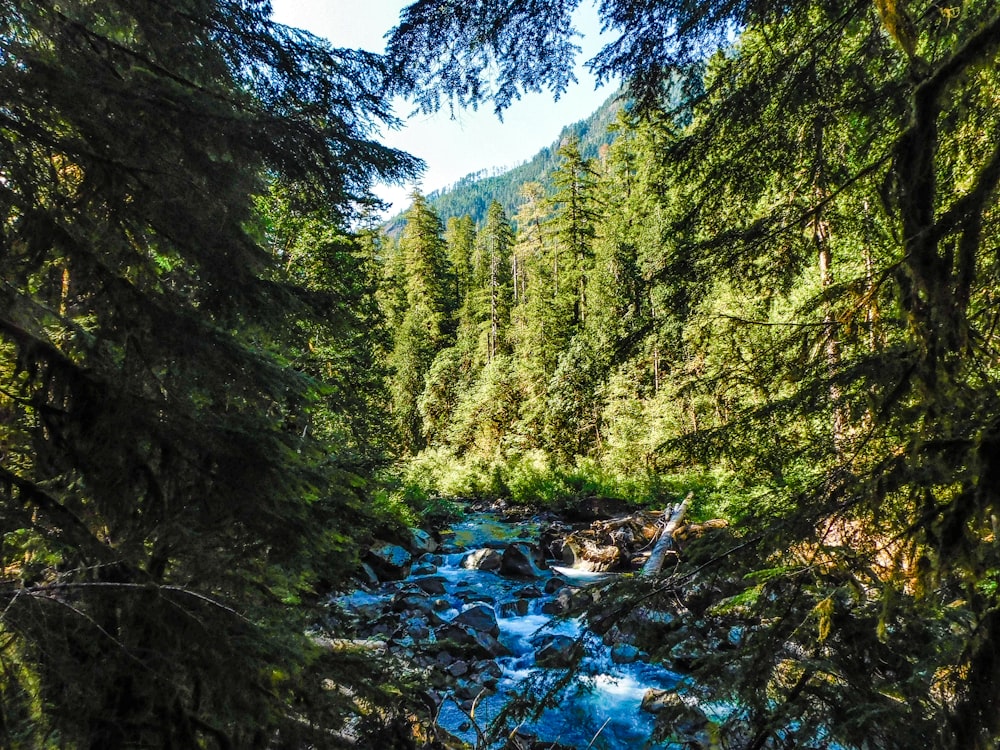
x=483, y=617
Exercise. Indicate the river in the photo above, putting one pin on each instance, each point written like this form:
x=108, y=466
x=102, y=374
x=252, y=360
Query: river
x=522, y=645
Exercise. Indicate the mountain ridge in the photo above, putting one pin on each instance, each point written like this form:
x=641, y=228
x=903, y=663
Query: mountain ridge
x=472, y=194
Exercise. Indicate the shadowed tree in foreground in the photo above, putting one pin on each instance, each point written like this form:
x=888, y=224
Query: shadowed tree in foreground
x=168, y=492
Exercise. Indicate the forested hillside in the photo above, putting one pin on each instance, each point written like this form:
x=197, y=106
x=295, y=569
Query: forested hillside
x=471, y=196
x=772, y=289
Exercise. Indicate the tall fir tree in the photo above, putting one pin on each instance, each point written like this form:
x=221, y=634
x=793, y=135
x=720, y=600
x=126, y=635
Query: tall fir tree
x=427, y=324
x=494, y=245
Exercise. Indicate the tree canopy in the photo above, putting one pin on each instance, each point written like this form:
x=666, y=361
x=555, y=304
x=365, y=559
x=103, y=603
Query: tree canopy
x=175, y=474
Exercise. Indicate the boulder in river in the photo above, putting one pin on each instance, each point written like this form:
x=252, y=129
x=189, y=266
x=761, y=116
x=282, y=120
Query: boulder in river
x=480, y=617
x=482, y=559
x=421, y=542
x=389, y=561
x=470, y=642
x=412, y=600
x=431, y=584
x=417, y=629
x=367, y=576
x=560, y=604
x=679, y=717
x=458, y=668
x=582, y=553
x=624, y=653
x=522, y=560
x=423, y=567
x=513, y=608
x=554, y=584
x=555, y=651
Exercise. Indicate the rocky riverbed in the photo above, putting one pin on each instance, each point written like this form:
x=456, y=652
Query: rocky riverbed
x=486, y=609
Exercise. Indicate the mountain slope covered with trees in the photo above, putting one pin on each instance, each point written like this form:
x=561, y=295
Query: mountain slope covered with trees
x=472, y=195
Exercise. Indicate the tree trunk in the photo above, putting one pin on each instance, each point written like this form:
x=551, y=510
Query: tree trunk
x=821, y=236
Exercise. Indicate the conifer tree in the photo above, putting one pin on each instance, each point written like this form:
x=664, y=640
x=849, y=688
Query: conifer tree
x=460, y=238
x=572, y=226
x=533, y=319
x=166, y=496
x=427, y=325
x=494, y=245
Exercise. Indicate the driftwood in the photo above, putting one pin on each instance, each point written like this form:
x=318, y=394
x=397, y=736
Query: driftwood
x=586, y=554
x=673, y=517
x=349, y=645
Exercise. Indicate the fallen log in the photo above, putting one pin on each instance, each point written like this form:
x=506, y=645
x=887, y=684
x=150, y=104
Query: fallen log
x=673, y=517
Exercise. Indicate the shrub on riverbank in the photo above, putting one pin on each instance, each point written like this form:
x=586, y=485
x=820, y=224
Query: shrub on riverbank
x=429, y=483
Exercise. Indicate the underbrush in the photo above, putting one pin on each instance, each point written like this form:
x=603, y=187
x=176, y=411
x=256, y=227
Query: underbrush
x=432, y=486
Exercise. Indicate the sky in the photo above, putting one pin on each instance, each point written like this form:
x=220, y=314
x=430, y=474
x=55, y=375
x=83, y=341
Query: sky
x=472, y=140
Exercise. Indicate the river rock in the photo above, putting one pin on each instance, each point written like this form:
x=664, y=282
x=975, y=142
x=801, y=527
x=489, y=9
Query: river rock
x=521, y=739
x=488, y=668
x=560, y=604
x=551, y=537
x=624, y=653
x=431, y=584
x=417, y=629
x=522, y=560
x=554, y=584
x=483, y=559
x=555, y=651
x=423, y=567
x=685, y=655
x=421, y=542
x=470, y=642
x=656, y=700
x=469, y=690
x=513, y=608
x=680, y=718
x=389, y=561
x=458, y=668
x=481, y=618
x=582, y=553
x=412, y=601
x=367, y=576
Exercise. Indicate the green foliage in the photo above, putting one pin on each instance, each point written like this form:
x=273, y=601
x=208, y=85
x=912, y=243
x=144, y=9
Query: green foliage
x=187, y=385
x=787, y=276
x=425, y=318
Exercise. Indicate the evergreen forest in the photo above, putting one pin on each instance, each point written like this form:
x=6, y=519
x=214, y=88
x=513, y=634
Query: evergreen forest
x=767, y=284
